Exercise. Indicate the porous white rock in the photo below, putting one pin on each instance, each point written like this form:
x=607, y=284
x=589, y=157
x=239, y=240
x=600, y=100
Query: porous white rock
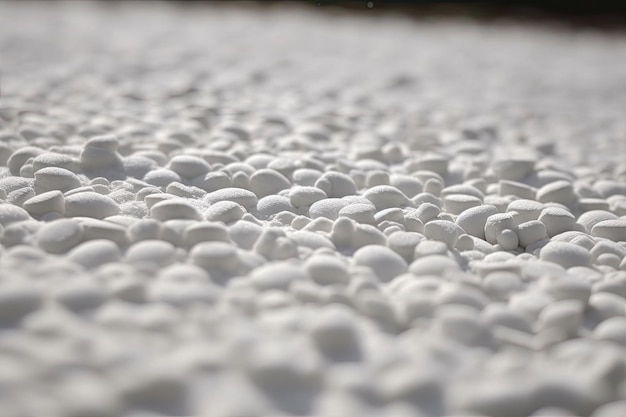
x=496, y=224
x=614, y=230
x=60, y=236
x=225, y=211
x=95, y=253
x=174, y=209
x=246, y=198
x=557, y=220
x=565, y=254
x=443, y=231
x=51, y=201
x=473, y=220
x=385, y=263
x=90, y=204
x=386, y=196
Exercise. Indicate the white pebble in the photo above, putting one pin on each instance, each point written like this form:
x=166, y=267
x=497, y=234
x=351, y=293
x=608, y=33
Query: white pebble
x=51, y=201
x=266, y=182
x=328, y=208
x=224, y=211
x=246, y=198
x=473, y=220
x=507, y=239
x=336, y=184
x=95, y=253
x=558, y=192
x=385, y=263
x=90, y=204
x=386, y=196
x=614, y=230
x=327, y=270
x=54, y=178
x=443, y=231
x=565, y=254
x=151, y=251
x=530, y=232
x=302, y=196
x=557, y=220
x=174, y=209
x=496, y=224
x=60, y=236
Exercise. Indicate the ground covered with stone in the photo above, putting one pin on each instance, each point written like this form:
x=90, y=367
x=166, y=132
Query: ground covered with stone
x=231, y=212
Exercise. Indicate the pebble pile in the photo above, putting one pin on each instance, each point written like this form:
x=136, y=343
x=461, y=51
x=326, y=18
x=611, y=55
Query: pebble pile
x=231, y=212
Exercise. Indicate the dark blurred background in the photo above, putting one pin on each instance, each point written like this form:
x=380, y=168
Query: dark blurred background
x=604, y=14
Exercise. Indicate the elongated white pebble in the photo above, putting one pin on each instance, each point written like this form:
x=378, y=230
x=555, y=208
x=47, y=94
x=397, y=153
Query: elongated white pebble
x=276, y=275
x=443, y=231
x=557, y=220
x=206, y=232
x=95, y=253
x=224, y=211
x=271, y=205
x=174, y=209
x=101, y=229
x=496, y=224
x=589, y=219
x=564, y=315
x=513, y=169
x=12, y=214
x=188, y=165
x=328, y=208
x=153, y=251
x=530, y=232
x=360, y=213
x=311, y=240
x=215, y=255
x=336, y=184
x=51, y=201
x=246, y=198
x=517, y=189
x=144, y=229
x=565, y=254
x=404, y=243
x=54, y=178
x=473, y=220
x=435, y=264
x=386, y=196
x=458, y=203
x=303, y=196
x=19, y=158
x=527, y=210
x=385, y=263
x=614, y=230
x=90, y=204
x=265, y=182
x=558, y=191
x=365, y=234
x=327, y=270
x=60, y=236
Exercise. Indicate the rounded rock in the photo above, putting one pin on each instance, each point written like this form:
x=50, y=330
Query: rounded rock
x=385, y=263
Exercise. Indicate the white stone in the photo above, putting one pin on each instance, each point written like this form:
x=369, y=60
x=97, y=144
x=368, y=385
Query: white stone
x=90, y=204
x=473, y=220
x=60, y=236
x=565, y=254
x=614, y=230
x=177, y=208
x=51, y=201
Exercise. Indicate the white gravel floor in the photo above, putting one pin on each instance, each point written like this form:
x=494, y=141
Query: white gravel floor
x=232, y=212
